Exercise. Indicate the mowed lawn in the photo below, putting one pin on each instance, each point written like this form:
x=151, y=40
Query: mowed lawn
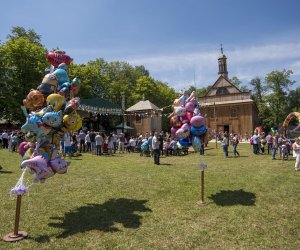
x=127, y=202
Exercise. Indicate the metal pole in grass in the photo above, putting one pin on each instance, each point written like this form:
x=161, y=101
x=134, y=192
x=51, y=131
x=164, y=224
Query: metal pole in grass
x=202, y=166
x=16, y=235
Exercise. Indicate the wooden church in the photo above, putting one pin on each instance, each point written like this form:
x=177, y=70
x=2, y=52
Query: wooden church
x=226, y=107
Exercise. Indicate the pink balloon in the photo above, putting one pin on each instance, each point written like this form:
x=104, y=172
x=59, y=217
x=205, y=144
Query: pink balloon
x=189, y=115
x=23, y=147
x=173, y=130
x=197, y=121
x=190, y=106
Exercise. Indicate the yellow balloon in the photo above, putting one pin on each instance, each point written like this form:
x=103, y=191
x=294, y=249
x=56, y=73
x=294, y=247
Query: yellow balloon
x=72, y=122
x=55, y=101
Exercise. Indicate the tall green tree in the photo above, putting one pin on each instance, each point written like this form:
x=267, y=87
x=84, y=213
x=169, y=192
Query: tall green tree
x=293, y=101
x=22, y=68
x=277, y=86
x=235, y=81
x=238, y=83
x=30, y=34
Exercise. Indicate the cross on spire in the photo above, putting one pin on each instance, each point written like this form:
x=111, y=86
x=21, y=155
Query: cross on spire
x=221, y=48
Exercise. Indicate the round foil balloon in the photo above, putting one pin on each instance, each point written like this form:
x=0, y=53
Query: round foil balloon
x=197, y=121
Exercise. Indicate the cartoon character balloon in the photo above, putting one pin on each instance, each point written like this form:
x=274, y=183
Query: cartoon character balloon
x=49, y=115
x=187, y=123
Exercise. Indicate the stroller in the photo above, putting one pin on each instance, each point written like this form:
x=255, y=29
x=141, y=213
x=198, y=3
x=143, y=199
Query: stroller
x=105, y=148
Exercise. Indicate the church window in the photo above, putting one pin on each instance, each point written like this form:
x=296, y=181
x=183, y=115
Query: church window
x=138, y=118
x=222, y=91
x=233, y=113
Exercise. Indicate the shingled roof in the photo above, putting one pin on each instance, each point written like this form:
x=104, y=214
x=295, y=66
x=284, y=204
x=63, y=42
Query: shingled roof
x=143, y=105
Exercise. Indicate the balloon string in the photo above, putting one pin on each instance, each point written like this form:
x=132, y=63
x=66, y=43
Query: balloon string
x=20, y=188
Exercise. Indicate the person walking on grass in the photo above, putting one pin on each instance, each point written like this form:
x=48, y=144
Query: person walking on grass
x=155, y=148
x=150, y=138
x=121, y=147
x=88, y=142
x=255, y=139
x=235, y=142
x=296, y=153
x=67, y=145
x=275, y=146
x=225, y=144
x=99, y=143
x=82, y=141
x=110, y=145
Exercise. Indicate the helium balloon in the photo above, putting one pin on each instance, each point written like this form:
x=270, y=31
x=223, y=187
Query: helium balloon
x=183, y=132
x=190, y=106
x=72, y=105
x=189, y=115
x=59, y=165
x=75, y=85
x=173, y=130
x=72, y=122
x=184, y=142
x=180, y=111
x=52, y=119
x=34, y=100
x=48, y=85
x=175, y=122
x=196, y=143
x=198, y=130
x=57, y=57
x=61, y=75
x=56, y=101
x=197, y=121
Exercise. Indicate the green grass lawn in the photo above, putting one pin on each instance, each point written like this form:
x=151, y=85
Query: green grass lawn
x=127, y=202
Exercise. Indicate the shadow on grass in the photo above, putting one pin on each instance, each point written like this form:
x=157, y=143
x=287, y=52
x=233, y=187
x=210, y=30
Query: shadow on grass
x=5, y=172
x=233, y=197
x=102, y=217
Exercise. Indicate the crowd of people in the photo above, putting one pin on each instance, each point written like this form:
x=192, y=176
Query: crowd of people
x=89, y=141
x=156, y=144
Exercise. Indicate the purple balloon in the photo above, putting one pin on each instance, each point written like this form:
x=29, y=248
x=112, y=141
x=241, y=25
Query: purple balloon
x=173, y=130
x=197, y=121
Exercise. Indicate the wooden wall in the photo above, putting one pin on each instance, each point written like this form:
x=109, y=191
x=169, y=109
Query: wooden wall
x=146, y=124
x=244, y=120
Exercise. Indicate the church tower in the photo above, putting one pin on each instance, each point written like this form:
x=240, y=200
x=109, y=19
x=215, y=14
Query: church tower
x=223, y=65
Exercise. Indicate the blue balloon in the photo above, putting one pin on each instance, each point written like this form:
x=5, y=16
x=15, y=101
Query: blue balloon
x=65, y=85
x=185, y=142
x=198, y=131
x=196, y=142
x=62, y=76
x=145, y=146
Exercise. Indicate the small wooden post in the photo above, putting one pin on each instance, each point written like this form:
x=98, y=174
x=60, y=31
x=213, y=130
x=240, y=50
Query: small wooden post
x=16, y=235
x=202, y=202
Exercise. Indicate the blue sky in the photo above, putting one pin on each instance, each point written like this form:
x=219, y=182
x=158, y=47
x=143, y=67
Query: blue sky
x=178, y=41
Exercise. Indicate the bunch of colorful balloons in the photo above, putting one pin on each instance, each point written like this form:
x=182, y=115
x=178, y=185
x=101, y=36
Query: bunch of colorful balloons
x=187, y=123
x=50, y=111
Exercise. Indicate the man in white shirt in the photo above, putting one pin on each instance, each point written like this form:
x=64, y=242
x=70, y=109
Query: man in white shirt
x=5, y=139
x=155, y=148
x=82, y=141
x=114, y=140
x=67, y=145
x=99, y=143
x=131, y=144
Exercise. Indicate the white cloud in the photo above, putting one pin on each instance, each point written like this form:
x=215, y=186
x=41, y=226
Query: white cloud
x=245, y=63
x=200, y=62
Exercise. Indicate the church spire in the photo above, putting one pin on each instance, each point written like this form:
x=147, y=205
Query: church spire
x=222, y=65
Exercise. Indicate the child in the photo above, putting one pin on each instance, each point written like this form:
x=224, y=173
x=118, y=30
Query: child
x=67, y=145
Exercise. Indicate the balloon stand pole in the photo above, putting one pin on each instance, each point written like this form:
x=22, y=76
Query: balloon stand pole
x=16, y=235
x=202, y=202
